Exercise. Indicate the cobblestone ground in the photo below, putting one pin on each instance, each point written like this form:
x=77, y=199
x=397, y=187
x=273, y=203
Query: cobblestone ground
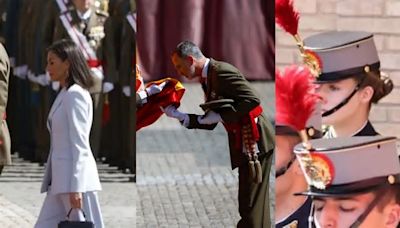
x=184, y=176
x=20, y=198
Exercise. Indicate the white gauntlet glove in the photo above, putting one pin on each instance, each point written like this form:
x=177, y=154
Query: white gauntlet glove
x=171, y=111
x=209, y=118
x=154, y=89
x=126, y=90
x=107, y=87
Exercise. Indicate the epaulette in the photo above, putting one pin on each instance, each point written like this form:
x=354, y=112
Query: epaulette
x=102, y=13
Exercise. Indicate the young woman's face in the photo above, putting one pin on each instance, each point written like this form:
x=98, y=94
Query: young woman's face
x=56, y=67
x=333, y=94
x=343, y=212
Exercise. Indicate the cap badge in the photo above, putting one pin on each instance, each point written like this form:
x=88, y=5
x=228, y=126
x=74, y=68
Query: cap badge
x=318, y=168
x=313, y=61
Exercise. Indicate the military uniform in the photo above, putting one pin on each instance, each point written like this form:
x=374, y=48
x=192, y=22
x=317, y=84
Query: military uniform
x=5, y=144
x=330, y=171
x=115, y=130
x=299, y=218
x=127, y=82
x=88, y=34
x=367, y=130
x=224, y=81
x=332, y=49
x=26, y=137
x=44, y=38
x=284, y=128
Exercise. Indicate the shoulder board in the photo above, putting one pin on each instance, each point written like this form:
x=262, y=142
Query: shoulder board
x=101, y=13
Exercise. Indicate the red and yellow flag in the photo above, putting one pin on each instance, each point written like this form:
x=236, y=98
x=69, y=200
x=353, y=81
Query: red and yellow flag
x=171, y=94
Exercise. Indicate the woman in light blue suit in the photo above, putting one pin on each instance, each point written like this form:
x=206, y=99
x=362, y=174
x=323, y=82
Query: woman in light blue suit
x=71, y=179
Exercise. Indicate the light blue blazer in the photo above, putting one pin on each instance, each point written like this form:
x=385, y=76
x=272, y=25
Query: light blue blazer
x=71, y=166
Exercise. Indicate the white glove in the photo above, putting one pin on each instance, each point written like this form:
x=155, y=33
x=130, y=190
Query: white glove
x=210, y=118
x=127, y=91
x=98, y=73
x=31, y=77
x=21, y=71
x=154, y=89
x=171, y=111
x=43, y=79
x=107, y=87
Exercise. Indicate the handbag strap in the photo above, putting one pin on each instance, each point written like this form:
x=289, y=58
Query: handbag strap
x=69, y=212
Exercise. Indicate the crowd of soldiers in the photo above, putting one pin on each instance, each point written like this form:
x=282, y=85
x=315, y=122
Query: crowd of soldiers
x=27, y=28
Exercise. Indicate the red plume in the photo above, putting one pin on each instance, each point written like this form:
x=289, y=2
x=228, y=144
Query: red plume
x=295, y=97
x=286, y=16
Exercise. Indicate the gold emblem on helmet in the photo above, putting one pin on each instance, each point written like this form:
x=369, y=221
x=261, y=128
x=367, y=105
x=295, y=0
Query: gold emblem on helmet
x=318, y=168
x=312, y=60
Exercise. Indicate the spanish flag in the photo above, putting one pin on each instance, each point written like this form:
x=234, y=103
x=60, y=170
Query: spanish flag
x=171, y=94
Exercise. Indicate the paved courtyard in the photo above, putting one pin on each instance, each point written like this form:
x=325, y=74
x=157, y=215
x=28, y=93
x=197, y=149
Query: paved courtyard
x=184, y=176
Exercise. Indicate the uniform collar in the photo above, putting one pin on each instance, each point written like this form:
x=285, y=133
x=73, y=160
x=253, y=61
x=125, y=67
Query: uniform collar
x=359, y=130
x=205, y=68
x=84, y=16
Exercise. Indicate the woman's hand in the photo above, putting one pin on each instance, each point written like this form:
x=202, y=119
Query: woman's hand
x=75, y=198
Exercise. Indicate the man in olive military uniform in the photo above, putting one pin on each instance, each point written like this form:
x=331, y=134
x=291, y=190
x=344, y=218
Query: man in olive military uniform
x=39, y=102
x=353, y=182
x=47, y=90
x=250, y=134
x=115, y=130
x=5, y=144
x=127, y=63
x=26, y=136
x=85, y=26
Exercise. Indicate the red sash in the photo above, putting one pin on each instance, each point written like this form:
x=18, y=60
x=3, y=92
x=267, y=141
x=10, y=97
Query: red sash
x=236, y=128
x=94, y=63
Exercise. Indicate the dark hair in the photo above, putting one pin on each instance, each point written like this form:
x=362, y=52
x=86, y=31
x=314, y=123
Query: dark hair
x=187, y=48
x=389, y=193
x=380, y=82
x=79, y=72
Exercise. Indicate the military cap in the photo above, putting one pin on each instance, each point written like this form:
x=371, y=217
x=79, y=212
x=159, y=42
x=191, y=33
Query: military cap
x=348, y=166
x=218, y=105
x=341, y=54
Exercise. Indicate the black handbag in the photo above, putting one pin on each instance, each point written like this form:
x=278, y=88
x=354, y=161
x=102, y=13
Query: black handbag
x=75, y=224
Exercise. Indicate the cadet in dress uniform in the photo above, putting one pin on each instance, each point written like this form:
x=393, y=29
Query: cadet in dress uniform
x=115, y=129
x=350, y=80
x=242, y=117
x=47, y=90
x=5, y=144
x=85, y=26
x=26, y=135
x=292, y=211
x=353, y=182
x=127, y=63
x=36, y=81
